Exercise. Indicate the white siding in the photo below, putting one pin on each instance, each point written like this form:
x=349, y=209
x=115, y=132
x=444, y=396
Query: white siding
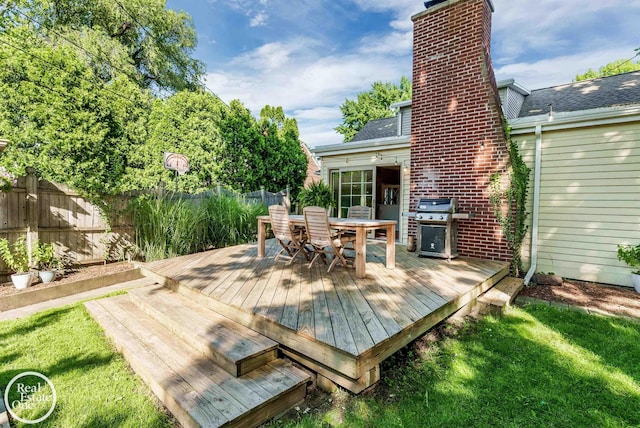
x=590, y=180
x=405, y=121
x=389, y=157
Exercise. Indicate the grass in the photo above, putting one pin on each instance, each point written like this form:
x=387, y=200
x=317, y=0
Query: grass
x=94, y=386
x=537, y=367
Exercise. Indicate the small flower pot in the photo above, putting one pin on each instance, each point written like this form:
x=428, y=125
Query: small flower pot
x=636, y=282
x=46, y=276
x=21, y=280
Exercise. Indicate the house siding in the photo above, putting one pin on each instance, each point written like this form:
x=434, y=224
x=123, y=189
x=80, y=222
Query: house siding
x=511, y=102
x=457, y=140
x=405, y=121
x=588, y=200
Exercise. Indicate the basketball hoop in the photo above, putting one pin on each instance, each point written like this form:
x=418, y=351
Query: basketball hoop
x=176, y=162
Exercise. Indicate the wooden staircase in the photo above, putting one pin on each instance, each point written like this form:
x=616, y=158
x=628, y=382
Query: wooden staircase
x=209, y=371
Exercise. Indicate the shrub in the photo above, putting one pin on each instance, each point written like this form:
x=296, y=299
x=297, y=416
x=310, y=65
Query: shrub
x=630, y=255
x=44, y=255
x=16, y=256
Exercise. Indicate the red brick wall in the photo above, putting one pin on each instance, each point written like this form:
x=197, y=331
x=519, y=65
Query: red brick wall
x=457, y=140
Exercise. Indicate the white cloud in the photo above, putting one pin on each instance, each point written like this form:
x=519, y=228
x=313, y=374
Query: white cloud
x=259, y=20
x=319, y=113
x=558, y=70
x=388, y=44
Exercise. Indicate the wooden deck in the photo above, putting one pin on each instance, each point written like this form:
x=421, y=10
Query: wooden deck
x=338, y=325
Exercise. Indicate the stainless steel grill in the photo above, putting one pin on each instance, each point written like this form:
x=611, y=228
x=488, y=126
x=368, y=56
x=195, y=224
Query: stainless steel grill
x=437, y=227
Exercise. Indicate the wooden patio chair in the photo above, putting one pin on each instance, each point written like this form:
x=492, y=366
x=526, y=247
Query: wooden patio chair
x=356, y=211
x=321, y=239
x=292, y=240
x=359, y=211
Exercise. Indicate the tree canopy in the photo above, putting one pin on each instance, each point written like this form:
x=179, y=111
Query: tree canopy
x=371, y=104
x=616, y=67
x=152, y=45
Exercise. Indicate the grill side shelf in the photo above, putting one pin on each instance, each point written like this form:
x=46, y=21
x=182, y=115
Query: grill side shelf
x=463, y=216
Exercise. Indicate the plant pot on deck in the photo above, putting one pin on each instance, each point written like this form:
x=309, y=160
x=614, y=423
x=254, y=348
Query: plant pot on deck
x=636, y=281
x=21, y=280
x=46, y=275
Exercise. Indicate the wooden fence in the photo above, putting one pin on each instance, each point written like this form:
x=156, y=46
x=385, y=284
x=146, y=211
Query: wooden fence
x=53, y=213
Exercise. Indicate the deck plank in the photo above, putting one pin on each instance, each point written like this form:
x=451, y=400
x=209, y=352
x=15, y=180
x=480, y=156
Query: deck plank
x=276, y=309
x=292, y=304
x=388, y=313
x=359, y=331
x=248, y=285
x=323, y=328
x=341, y=332
x=233, y=265
x=271, y=287
x=305, y=325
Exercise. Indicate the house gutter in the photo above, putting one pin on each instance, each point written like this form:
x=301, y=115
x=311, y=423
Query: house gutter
x=536, y=206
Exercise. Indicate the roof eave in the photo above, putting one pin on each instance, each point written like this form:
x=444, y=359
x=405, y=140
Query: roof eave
x=400, y=104
x=511, y=83
x=573, y=119
x=386, y=143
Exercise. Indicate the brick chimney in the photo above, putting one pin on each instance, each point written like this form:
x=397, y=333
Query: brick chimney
x=457, y=139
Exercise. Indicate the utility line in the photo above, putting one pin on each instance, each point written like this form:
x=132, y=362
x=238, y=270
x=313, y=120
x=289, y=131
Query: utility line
x=91, y=54
x=44, y=61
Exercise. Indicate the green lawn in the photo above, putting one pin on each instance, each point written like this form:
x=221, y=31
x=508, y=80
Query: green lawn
x=537, y=367
x=94, y=385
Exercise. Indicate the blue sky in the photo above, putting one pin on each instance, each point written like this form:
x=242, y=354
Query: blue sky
x=308, y=56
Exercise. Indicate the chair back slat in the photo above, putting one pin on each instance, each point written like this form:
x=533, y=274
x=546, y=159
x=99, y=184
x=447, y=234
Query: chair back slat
x=359, y=211
x=317, y=222
x=280, y=222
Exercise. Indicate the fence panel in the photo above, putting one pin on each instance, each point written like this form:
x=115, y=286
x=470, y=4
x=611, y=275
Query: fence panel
x=61, y=216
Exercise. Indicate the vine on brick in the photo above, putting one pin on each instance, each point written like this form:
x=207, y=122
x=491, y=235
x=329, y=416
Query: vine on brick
x=512, y=195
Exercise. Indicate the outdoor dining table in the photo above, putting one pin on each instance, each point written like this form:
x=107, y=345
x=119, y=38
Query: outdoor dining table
x=361, y=227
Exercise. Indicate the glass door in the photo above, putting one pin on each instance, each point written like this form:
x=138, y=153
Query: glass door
x=352, y=187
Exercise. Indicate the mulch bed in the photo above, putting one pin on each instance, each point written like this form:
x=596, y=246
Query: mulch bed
x=69, y=275
x=605, y=298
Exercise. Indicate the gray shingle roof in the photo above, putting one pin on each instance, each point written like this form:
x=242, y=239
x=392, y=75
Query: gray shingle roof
x=378, y=128
x=612, y=91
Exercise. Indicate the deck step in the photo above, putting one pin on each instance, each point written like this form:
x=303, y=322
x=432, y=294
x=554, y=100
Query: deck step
x=501, y=295
x=198, y=392
x=230, y=345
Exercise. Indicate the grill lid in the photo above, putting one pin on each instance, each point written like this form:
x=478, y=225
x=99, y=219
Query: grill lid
x=437, y=205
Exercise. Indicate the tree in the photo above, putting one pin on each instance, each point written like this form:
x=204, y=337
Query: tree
x=260, y=153
x=63, y=121
x=141, y=38
x=239, y=159
x=616, y=67
x=185, y=123
x=372, y=104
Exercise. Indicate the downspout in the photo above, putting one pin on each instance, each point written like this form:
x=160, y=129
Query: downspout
x=536, y=206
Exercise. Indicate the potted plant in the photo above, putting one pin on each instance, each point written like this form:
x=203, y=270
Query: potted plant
x=16, y=257
x=631, y=256
x=318, y=194
x=44, y=256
